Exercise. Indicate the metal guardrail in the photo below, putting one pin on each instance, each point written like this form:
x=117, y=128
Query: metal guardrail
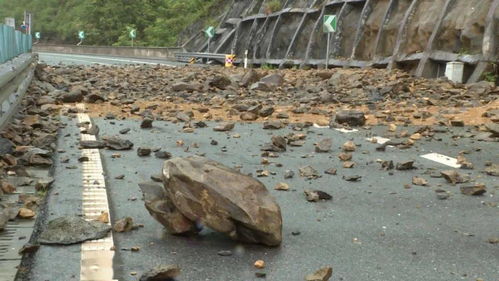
x=189, y=57
x=13, y=43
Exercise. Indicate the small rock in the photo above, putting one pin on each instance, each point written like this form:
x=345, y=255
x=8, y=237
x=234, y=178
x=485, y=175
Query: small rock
x=348, y=164
x=288, y=174
x=345, y=156
x=259, y=264
x=143, y=151
x=419, y=181
x=324, y=145
x=323, y=274
x=124, y=131
x=273, y=125
x=224, y=127
x=331, y=171
x=163, y=154
x=29, y=248
x=453, y=176
x=25, y=213
x=442, y=194
x=349, y=146
x=352, y=178
x=260, y=274
x=408, y=165
x=308, y=172
x=282, y=186
x=146, y=123
x=123, y=225
x=71, y=230
x=161, y=273
x=457, y=123
x=352, y=118
x=316, y=195
x=475, y=190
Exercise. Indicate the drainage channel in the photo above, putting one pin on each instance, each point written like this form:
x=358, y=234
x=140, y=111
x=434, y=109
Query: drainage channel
x=96, y=255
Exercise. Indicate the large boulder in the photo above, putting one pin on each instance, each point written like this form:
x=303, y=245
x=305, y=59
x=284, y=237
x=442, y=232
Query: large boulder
x=207, y=192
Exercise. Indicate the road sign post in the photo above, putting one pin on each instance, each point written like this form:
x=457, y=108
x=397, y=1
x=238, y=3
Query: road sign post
x=81, y=36
x=210, y=33
x=133, y=34
x=329, y=26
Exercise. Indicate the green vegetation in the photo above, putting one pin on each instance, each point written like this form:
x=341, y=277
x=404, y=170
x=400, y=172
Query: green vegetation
x=107, y=22
x=273, y=6
x=490, y=77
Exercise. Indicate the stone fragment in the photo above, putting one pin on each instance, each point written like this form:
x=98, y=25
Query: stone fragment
x=352, y=118
x=25, y=213
x=92, y=144
x=492, y=170
x=224, y=253
x=249, y=78
x=348, y=164
x=419, y=181
x=6, y=187
x=163, y=154
x=452, y=176
x=124, y=131
x=220, y=82
x=146, y=123
x=224, y=127
x=324, y=145
x=352, y=178
x=6, y=146
x=259, y=264
x=345, y=156
x=408, y=165
x=317, y=195
x=308, y=172
x=143, y=151
x=72, y=230
x=331, y=171
x=289, y=174
x=29, y=248
x=205, y=191
x=124, y=225
x=323, y=274
x=474, y=190
x=282, y=186
x=442, y=194
x=349, y=146
x=273, y=125
x=248, y=116
x=266, y=111
x=161, y=273
x=117, y=143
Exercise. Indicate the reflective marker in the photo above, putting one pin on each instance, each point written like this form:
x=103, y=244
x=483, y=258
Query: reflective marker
x=442, y=159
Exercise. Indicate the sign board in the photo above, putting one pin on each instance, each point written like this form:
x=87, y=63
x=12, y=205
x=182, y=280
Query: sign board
x=133, y=33
x=38, y=35
x=330, y=23
x=210, y=32
x=10, y=22
x=81, y=35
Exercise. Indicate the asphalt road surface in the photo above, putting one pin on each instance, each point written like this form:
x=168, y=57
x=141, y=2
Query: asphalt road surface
x=373, y=229
x=72, y=59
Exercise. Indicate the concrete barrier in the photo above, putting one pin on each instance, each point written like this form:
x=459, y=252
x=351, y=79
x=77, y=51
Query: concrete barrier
x=15, y=77
x=132, y=52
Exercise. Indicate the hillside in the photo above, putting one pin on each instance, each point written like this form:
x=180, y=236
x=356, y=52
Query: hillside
x=107, y=22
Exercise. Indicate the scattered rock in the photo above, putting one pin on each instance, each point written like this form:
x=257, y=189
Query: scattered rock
x=143, y=151
x=161, y=273
x=289, y=174
x=282, y=186
x=224, y=127
x=25, y=213
x=419, y=181
x=475, y=190
x=124, y=225
x=224, y=253
x=352, y=118
x=408, y=165
x=146, y=123
x=324, y=145
x=349, y=146
x=453, y=177
x=72, y=230
x=323, y=274
x=117, y=143
x=316, y=195
x=331, y=171
x=308, y=172
x=273, y=125
x=259, y=264
x=163, y=154
x=29, y=248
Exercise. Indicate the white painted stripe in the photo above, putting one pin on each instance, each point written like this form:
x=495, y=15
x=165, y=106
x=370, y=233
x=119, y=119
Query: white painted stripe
x=379, y=140
x=86, y=61
x=106, y=58
x=347, y=130
x=97, y=255
x=442, y=159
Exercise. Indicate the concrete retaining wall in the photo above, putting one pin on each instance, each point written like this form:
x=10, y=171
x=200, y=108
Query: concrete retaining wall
x=132, y=52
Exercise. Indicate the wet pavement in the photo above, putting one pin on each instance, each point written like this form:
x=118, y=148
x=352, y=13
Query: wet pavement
x=373, y=229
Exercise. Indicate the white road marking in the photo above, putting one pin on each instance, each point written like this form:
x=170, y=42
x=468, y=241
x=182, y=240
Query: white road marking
x=73, y=59
x=442, y=159
x=347, y=130
x=379, y=140
x=96, y=255
x=105, y=58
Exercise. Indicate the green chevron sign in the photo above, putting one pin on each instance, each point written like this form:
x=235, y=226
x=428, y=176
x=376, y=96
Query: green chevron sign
x=330, y=23
x=81, y=35
x=133, y=33
x=38, y=35
x=210, y=32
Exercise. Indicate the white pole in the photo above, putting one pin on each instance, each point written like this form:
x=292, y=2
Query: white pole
x=246, y=59
x=209, y=39
x=327, y=49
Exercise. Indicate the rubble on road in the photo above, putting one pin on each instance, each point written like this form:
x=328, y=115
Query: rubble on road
x=161, y=273
x=71, y=230
x=323, y=274
x=200, y=190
